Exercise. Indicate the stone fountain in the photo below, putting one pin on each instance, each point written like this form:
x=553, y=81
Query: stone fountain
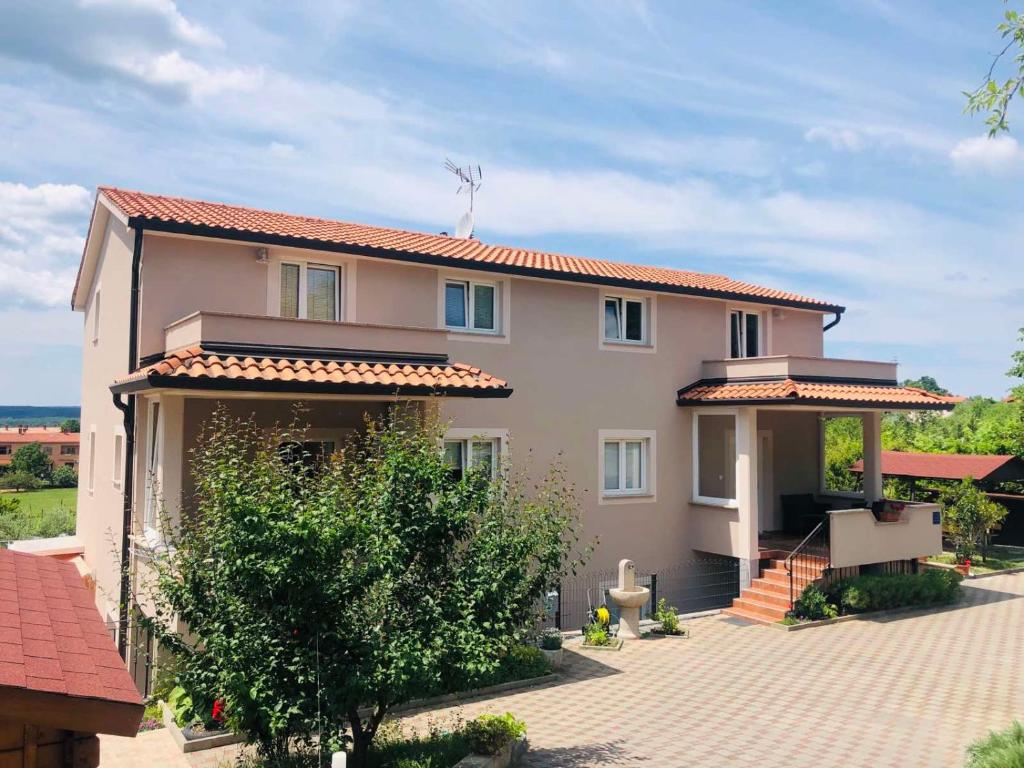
x=630, y=598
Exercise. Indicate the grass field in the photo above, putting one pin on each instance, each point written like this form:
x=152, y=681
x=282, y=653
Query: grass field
x=40, y=514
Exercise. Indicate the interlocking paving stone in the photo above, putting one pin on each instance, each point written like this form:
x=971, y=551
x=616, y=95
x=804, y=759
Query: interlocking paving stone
x=907, y=690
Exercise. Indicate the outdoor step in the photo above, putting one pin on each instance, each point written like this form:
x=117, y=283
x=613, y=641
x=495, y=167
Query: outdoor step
x=802, y=562
x=741, y=613
x=773, y=587
x=782, y=577
x=770, y=612
x=756, y=594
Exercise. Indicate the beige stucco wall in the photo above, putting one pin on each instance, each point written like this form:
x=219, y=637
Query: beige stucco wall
x=857, y=538
x=99, y=515
x=568, y=385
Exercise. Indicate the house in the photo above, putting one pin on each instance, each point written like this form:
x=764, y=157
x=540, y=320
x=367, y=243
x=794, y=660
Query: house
x=61, y=678
x=61, y=447
x=988, y=472
x=683, y=405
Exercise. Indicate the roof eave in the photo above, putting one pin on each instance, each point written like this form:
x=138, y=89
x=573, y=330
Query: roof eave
x=224, y=233
x=825, y=403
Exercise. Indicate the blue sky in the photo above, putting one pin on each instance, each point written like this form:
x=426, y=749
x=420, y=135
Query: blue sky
x=818, y=147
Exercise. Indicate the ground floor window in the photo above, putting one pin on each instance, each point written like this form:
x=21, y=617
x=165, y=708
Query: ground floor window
x=474, y=453
x=714, y=453
x=626, y=464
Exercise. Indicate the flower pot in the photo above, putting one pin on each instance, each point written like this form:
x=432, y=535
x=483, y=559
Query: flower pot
x=554, y=657
x=964, y=569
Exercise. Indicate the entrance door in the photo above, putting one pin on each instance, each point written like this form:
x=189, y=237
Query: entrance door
x=765, y=490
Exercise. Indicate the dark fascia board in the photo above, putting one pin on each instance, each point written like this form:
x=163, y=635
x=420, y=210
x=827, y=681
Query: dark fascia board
x=296, y=352
x=160, y=381
x=224, y=233
x=860, y=380
x=872, y=405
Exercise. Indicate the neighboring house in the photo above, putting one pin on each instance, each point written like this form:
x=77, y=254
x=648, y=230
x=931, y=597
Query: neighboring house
x=989, y=472
x=682, y=405
x=62, y=447
x=61, y=679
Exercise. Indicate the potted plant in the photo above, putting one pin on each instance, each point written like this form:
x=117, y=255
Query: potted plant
x=551, y=647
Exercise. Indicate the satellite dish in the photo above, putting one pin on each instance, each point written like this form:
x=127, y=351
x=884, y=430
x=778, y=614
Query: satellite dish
x=464, y=229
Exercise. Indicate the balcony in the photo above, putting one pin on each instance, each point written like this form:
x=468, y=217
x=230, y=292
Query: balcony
x=857, y=538
x=790, y=366
x=227, y=328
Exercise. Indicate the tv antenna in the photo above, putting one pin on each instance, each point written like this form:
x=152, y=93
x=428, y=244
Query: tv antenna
x=469, y=181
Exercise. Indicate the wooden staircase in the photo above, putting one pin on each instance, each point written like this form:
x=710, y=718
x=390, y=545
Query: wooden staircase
x=766, y=600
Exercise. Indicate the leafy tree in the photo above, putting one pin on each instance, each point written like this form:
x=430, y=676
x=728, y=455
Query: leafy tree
x=32, y=460
x=311, y=593
x=64, y=477
x=927, y=383
x=1017, y=369
x=969, y=518
x=994, y=96
x=844, y=444
x=70, y=425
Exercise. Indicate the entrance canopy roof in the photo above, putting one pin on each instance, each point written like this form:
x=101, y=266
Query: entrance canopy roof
x=815, y=391
x=304, y=370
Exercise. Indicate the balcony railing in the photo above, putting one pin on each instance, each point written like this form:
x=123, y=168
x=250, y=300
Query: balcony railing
x=857, y=538
x=794, y=365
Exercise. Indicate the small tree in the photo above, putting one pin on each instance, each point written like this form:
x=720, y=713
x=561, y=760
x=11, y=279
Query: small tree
x=313, y=593
x=70, y=425
x=32, y=460
x=19, y=481
x=969, y=518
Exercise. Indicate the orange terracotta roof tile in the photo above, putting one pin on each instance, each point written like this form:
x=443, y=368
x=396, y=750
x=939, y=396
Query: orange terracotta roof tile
x=47, y=646
x=811, y=392
x=218, y=219
x=36, y=435
x=943, y=466
x=196, y=367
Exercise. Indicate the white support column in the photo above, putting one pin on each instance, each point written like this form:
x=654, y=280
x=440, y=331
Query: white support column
x=872, y=456
x=746, y=492
x=172, y=454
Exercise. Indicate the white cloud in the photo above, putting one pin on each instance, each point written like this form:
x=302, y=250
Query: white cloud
x=174, y=71
x=40, y=242
x=845, y=139
x=999, y=154
x=856, y=137
x=166, y=10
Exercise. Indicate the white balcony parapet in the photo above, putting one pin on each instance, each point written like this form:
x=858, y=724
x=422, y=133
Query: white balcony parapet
x=203, y=327
x=857, y=538
x=787, y=366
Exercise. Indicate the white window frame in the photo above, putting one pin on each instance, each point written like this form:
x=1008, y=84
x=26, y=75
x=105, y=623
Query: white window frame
x=822, y=490
x=466, y=436
x=648, y=466
x=303, y=306
x=470, y=305
x=96, y=303
x=118, y=457
x=154, y=452
x=649, y=320
x=764, y=330
x=91, y=484
x=713, y=501
x=346, y=293
x=502, y=305
x=623, y=301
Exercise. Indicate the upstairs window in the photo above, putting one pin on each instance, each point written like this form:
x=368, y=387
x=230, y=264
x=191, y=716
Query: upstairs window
x=310, y=291
x=470, y=306
x=68, y=450
x=5, y=450
x=625, y=320
x=625, y=467
x=479, y=454
x=746, y=334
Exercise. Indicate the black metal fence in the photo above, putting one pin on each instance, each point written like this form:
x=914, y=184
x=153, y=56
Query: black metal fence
x=692, y=585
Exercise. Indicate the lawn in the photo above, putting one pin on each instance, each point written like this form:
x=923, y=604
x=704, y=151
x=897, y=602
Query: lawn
x=40, y=514
x=999, y=558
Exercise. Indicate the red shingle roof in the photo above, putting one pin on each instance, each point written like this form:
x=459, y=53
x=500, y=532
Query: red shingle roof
x=194, y=366
x=941, y=466
x=816, y=392
x=52, y=639
x=218, y=218
x=39, y=436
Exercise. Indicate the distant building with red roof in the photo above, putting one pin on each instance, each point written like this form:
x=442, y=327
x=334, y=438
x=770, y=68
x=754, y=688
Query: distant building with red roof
x=986, y=470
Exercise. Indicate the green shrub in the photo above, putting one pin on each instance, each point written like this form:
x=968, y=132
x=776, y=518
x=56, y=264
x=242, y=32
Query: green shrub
x=551, y=640
x=1000, y=749
x=668, y=616
x=596, y=634
x=879, y=593
x=488, y=734
x=20, y=481
x=18, y=521
x=813, y=605
x=64, y=477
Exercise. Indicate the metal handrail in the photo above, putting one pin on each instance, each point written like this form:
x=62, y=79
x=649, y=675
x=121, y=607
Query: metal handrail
x=815, y=545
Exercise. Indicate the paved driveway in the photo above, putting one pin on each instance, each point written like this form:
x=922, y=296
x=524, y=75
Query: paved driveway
x=908, y=691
